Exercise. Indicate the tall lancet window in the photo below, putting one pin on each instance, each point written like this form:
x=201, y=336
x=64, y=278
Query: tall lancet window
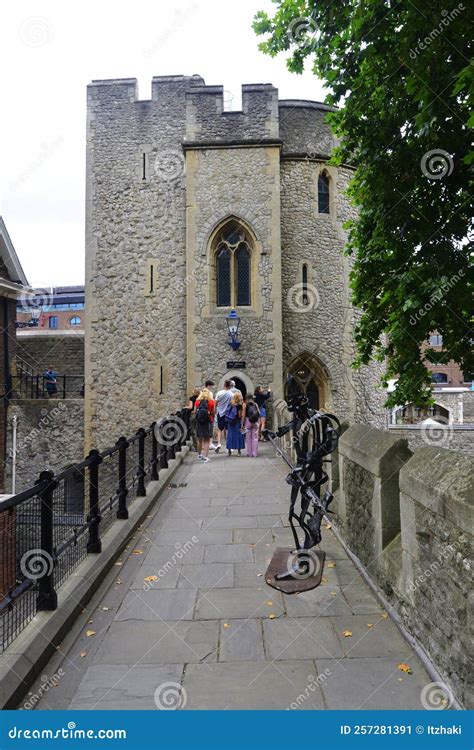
x=233, y=264
x=323, y=193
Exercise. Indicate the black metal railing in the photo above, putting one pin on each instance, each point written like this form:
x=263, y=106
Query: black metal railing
x=47, y=530
x=27, y=385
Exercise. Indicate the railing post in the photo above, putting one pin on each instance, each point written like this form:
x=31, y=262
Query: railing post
x=154, y=476
x=163, y=446
x=141, y=473
x=64, y=386
x=94, y=544
x=171, y=440
x=122, y=510
x=37, y=386
x=180, y=433
x=47, y=598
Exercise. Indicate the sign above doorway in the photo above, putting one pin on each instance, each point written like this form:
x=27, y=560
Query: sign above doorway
x=232, y=365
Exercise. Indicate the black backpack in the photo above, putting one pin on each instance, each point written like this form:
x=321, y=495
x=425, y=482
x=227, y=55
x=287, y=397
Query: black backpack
x=252, y=413
x=202, y=412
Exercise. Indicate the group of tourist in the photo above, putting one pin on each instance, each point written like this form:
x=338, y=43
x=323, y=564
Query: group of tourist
x=229, y=418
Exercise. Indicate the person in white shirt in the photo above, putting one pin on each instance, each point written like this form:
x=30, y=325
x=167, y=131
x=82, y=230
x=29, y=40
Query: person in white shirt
x=223, y=399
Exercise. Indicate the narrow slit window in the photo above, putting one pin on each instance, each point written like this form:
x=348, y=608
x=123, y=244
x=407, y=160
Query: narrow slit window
x=144, y=167
x=323, y=193
x=152, y=279
x=304, y=284
x=161, y=380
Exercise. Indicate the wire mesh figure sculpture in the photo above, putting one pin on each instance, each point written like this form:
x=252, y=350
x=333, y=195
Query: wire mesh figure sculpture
x=315, y=435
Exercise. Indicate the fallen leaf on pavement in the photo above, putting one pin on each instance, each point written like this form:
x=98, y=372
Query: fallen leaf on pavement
x=405, y=668
x=226, y=625
x=105, y=609
x=347, y=633
x=328, y=525
x=150, y=578
x=82, y=654
x=271, y=617
x=331, y=564
x=90, y=633
x=259, y=575
x=333, y=593
x=384, y=615
x=269, y=602
x=118, y=563
x=137, y=552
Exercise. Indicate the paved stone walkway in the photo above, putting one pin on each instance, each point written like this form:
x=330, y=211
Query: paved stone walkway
x=189, y=605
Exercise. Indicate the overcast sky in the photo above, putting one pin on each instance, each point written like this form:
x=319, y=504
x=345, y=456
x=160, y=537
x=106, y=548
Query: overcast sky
x=51, y=50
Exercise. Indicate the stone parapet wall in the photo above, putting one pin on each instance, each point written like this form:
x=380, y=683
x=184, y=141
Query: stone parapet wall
x=454, y=437
x=409, y=519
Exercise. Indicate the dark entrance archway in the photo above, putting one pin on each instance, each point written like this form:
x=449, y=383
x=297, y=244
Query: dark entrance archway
x=240, y=385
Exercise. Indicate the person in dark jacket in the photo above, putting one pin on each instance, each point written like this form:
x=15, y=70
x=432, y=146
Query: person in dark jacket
x=261, y=397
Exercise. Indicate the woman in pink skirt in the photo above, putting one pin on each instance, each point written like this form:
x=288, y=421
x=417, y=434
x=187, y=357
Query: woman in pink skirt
x=251, y=416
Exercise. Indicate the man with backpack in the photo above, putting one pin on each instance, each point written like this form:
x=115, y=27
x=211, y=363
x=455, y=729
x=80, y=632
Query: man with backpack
x=251, y=417
x=204, y=409
x=223, y=399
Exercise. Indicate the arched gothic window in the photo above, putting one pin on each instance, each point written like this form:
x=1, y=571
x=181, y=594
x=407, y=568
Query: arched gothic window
x=233, y=263
x=323, y=193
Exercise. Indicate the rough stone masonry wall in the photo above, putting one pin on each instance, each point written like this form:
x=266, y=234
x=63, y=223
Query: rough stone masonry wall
x=222, y=183
x=423, y=566
x=132, y=223
x=65, y=353
x=50, y=436
x=324, y=330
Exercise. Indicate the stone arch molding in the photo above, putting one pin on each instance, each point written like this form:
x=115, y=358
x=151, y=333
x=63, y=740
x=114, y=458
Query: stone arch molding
x=231, y=374
x=209, y=229
x=319, y=372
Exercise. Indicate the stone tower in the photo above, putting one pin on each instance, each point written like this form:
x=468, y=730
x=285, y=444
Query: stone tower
x=192, y=210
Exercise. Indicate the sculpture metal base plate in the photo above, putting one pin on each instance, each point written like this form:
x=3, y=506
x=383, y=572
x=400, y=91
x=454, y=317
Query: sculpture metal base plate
x=293, y=571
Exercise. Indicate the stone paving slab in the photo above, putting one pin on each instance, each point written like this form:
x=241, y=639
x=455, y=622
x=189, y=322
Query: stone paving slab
x=157, y=642
x=248, y=685
x=241, y=640
x=304, y=638
x=252, y=536
x=372, y=683
x=221, y=553
x=371, y=636
x=211, y=575
x=246, y=574
x=217, y=536
x=248, y=602
x=123, y=688
x=319, y=602
x=158, y=555
x=167, y=604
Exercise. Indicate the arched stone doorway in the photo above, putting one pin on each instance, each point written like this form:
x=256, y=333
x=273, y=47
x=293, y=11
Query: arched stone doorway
x=242, y=381
x=312, y=378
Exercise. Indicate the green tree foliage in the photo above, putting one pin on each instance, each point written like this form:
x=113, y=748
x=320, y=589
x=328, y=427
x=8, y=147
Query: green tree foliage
x=401, y=77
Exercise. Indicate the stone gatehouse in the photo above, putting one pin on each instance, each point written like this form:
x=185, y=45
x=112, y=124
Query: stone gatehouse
x=192, y=210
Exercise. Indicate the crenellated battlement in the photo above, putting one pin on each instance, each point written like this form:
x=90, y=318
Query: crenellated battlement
x=198, y=115
x=207, y=122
